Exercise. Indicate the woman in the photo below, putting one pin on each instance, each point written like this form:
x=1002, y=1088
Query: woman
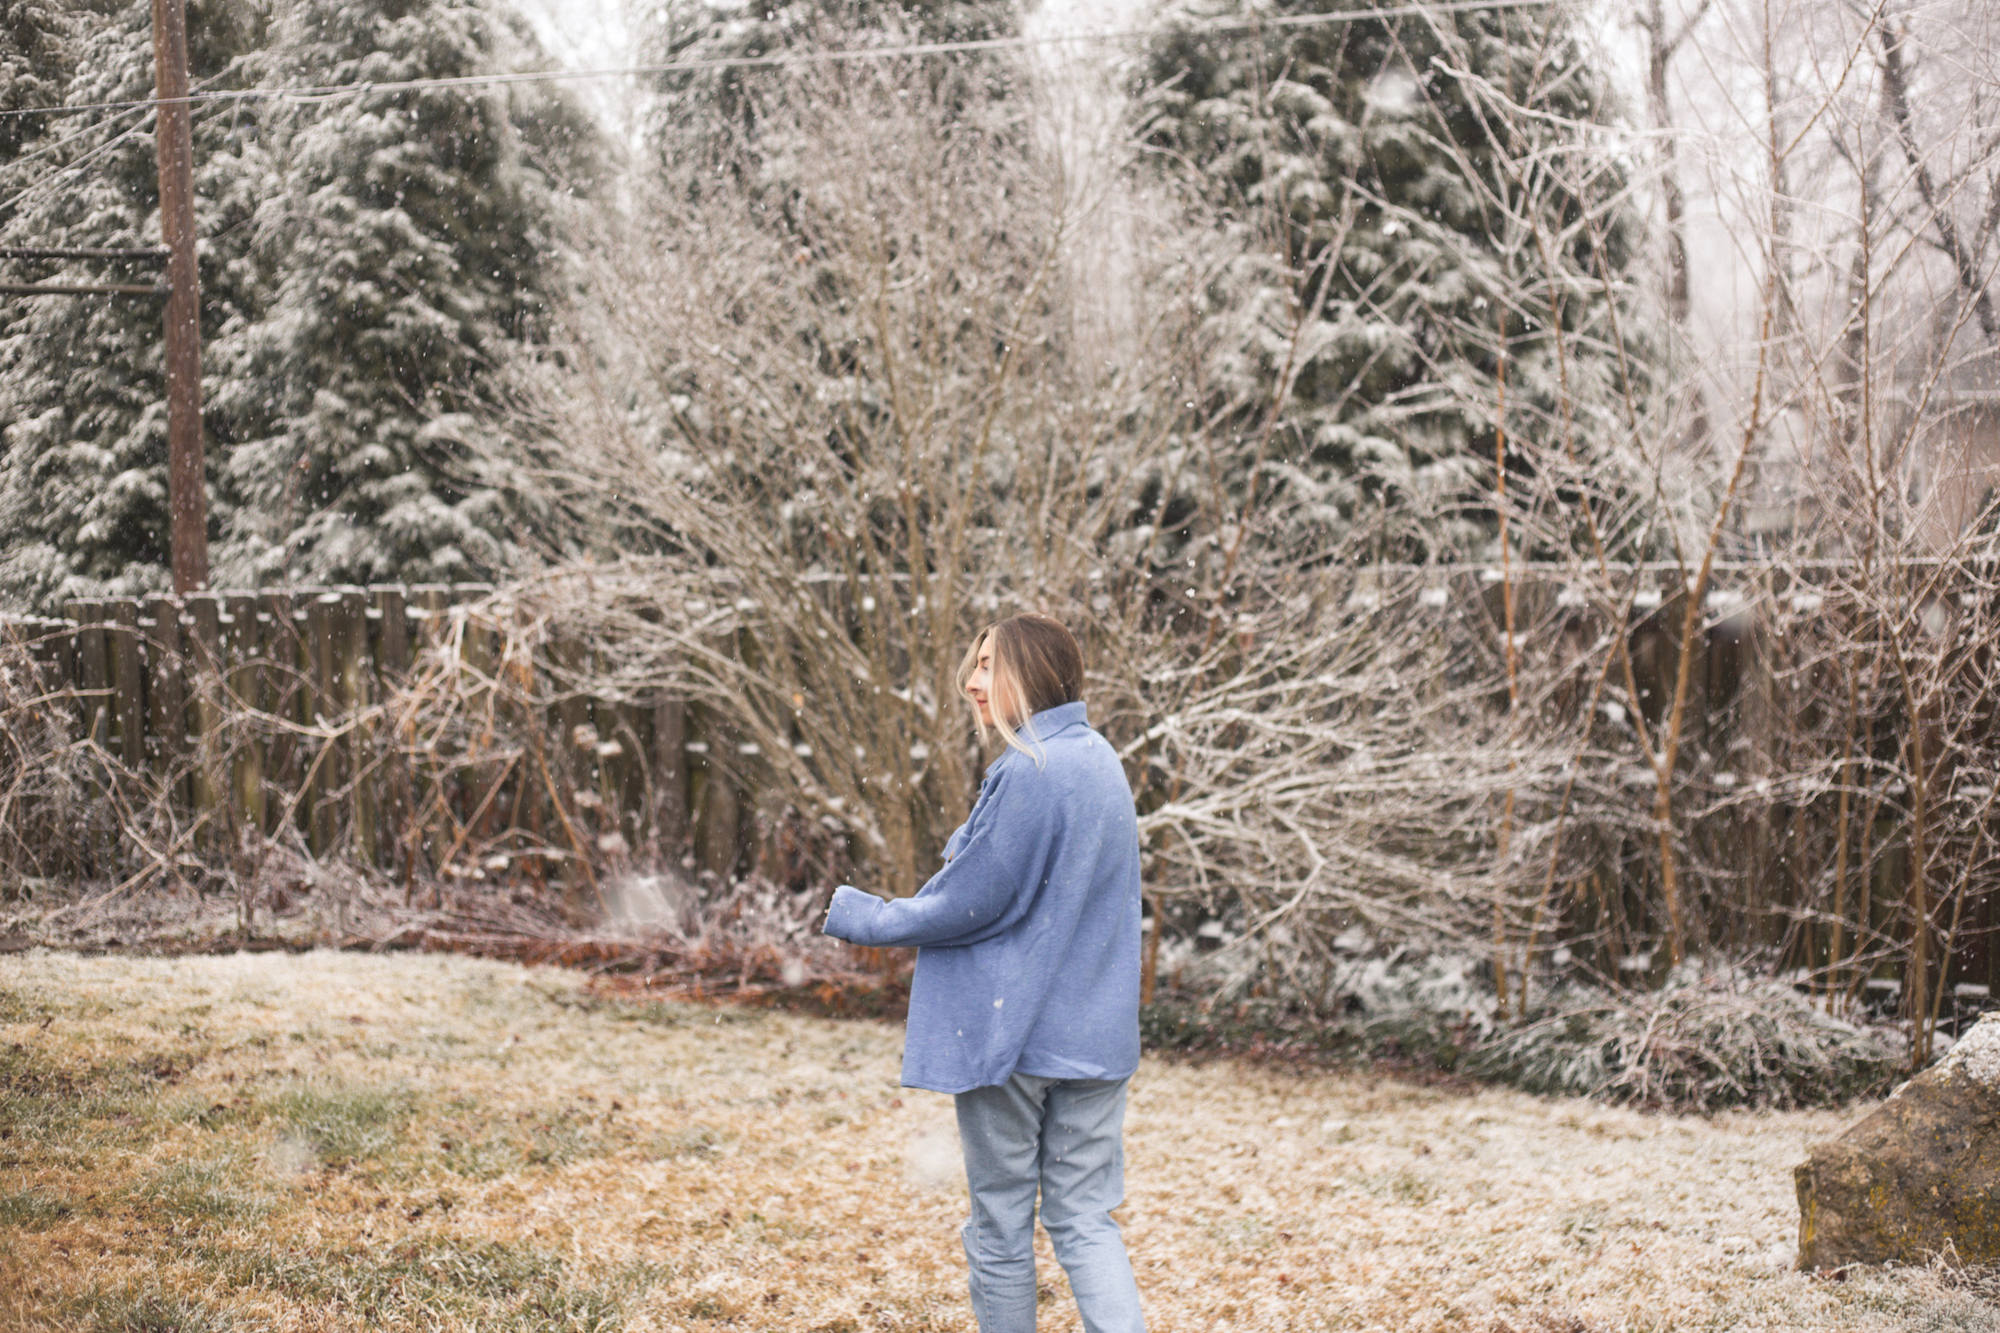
x=1025, y=1002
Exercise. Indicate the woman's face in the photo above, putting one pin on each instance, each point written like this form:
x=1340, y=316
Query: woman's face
x=979, y=685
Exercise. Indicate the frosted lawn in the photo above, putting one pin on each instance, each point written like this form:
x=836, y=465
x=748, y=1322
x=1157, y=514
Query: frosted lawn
x=339, y=1141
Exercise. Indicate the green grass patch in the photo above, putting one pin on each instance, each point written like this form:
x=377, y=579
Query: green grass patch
x=144, y=1311
x=24, y=1006
x=20, y=1007
x=652, y=1013
x=198, y=1193
x=31, y=1210
x=53, y=1110
x=482, y=1157
x=585, y=1310
x=562, y=1138
x=429, y=1280
x=341, y=1127
x=473, y=1151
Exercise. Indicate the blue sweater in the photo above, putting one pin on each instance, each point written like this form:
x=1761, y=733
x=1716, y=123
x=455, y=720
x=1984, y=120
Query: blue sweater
x=1028, y=939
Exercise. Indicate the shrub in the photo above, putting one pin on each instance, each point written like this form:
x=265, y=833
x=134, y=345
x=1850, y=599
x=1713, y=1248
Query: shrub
x=1710, y=1038
x=1707, y=1039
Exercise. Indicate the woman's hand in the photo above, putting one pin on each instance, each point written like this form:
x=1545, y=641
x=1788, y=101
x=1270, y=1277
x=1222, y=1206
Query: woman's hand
x=827, y=915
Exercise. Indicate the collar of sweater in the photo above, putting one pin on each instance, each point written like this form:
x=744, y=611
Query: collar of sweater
x=1052, y=720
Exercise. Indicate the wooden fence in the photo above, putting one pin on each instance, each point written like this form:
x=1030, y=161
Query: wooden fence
x=254, y=710
x=270, y=711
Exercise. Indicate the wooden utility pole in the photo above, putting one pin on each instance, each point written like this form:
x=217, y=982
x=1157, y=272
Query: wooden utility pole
x=187, y=501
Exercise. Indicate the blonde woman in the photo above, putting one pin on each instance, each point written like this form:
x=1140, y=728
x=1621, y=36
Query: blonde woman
x=1025, y=1002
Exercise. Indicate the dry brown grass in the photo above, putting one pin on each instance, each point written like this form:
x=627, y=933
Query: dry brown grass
x=334, y=1141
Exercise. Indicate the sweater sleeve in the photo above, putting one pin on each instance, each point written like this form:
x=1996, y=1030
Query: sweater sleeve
x=988, y=885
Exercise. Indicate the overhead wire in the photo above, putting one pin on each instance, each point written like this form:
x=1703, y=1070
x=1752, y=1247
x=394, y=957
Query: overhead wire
x=329, y=92
x=57, y=173
x=54, y=175
x=72, y=137
x=326, y=92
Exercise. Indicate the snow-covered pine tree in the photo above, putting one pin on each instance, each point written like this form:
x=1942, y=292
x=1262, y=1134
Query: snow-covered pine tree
x=708, y=120
x=410, y=250
x=37, y=54
x=367, y=261
x=1411, y=192
x=83, y=426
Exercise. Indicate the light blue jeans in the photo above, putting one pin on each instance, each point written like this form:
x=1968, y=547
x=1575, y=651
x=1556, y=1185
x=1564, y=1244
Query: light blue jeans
x=1067, y=1138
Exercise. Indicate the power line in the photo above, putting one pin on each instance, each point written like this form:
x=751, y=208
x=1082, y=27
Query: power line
x=35, y=187
x=327, y=92
x=71, y=252
x=78, y=289
x=72, y=137
x=14, y=201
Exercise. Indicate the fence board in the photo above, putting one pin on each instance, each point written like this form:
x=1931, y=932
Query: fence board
x=205, y=656
x=127, y=680
x=166, y=694
x=669, y=776
x=245, y=641
x=355, y=669
x=285, y=696
x=93, y=671
x=392, y=633
x=324, y=753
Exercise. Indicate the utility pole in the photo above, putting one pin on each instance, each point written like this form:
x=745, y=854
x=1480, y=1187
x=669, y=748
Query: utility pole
x=187, y=501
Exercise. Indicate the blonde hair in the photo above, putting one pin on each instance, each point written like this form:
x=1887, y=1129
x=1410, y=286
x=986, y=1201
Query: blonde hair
x=1037, y=665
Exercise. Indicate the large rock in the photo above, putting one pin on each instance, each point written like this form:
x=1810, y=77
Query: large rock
x=1917, y=1176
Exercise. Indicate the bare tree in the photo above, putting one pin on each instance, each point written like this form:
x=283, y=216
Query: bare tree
x=931, y=367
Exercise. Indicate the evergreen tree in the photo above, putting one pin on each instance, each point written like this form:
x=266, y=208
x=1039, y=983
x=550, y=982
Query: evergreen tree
x=706, y=120
x=37, y=55
x=368, y=262
x=83, y=422
x=411, y=250
x=1388, y=177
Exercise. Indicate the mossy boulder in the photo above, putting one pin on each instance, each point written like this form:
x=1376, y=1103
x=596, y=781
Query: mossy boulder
x=1917, y=1176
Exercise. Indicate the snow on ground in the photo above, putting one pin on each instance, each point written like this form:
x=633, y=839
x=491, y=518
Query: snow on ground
x=344, y=1141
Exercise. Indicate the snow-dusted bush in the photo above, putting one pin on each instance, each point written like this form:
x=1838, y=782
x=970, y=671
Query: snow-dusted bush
x=1709, y=1038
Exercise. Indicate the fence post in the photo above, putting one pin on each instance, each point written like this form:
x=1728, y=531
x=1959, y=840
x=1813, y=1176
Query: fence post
x=476, y=643
x=531, y=795
x=613, y=755
x=478, y=649
x=93, y=676
x=427, y=603
x=633, y=723
x=574, y=768
x=721, y=823
x=392, y=634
